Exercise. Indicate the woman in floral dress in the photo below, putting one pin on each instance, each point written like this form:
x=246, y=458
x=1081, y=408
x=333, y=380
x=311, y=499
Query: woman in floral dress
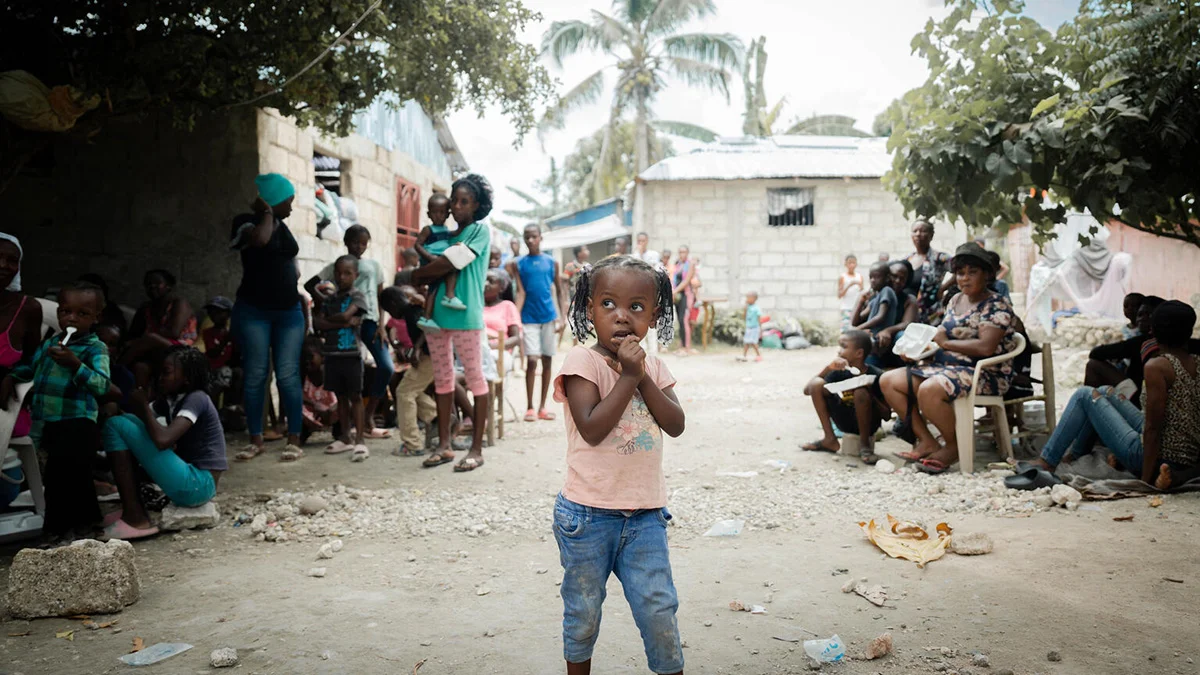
x=979, y=323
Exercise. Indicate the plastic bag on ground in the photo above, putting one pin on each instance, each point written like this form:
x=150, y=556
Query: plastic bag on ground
x=155, y=653
x=826, y=651
x=726, y=528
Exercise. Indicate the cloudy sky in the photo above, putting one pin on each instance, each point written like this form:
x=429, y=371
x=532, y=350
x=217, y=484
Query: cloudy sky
x=849, y=57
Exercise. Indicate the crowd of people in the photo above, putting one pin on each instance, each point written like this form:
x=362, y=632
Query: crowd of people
x=1140, y=396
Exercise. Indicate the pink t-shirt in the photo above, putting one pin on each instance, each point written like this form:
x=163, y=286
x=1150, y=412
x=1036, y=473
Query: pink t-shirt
x=498, y=317
x=625, y=471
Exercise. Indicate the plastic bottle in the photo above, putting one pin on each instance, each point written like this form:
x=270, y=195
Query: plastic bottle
x=826, y=651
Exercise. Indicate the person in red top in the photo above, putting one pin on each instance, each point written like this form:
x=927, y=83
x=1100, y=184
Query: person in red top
x=216, y=341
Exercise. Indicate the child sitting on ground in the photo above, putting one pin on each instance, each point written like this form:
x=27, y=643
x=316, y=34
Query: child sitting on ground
x=857, y=411
x=753, y=327
x=340, y=315
x=432, y=241
x=320, y=406
x=611, y=515
x=883, y=308
x=68, y=379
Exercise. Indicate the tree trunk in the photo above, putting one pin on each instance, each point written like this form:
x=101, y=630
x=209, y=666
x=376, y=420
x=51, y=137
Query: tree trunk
x=641, y=138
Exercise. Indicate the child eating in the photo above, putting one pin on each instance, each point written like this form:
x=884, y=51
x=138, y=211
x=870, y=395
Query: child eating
x=339, y=317
x=611, y=515
x=432, y=241
x=857, y=411
x=69, y=372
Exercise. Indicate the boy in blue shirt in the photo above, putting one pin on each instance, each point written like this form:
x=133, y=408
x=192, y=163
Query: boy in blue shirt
x=883, y=308
x=540, y=294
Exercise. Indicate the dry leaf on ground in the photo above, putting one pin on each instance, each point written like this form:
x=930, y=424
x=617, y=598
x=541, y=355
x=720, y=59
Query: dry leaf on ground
x=1123, y=519
x=68, y=635
x=24, y=634
x=908, y=540
x=138, y=645
x=1156, y=502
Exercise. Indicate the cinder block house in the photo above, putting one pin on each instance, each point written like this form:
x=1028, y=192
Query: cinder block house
x=778, y=215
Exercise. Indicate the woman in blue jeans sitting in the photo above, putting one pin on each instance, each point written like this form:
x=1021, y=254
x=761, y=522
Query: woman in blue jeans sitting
x=1160, y=442
x=267, y=318
x=178, y=440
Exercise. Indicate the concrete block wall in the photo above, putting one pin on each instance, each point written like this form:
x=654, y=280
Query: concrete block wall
x=794, y=269
x=141, y=194
x=369, y=174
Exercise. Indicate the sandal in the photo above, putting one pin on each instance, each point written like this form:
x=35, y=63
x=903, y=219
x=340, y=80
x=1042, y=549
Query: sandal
x=125, y=531
x=337, y=447
x=932, y=467
x=290, y=453
x=405, y=451
x=437, y=460
x=544, y=414
x=249, y=452
x=376, y=432
x=530, y=415
x=909, y=456
x=868, y=457
x=816, y=446
x=361, y=453
x=468, y=464
x=270, y=436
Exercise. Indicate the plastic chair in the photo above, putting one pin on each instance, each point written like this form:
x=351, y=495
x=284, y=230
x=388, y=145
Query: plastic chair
x=1046, y=397
x=495, y=425
x=964, y=412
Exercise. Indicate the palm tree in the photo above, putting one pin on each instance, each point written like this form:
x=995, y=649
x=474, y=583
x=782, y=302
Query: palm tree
x=643, y=38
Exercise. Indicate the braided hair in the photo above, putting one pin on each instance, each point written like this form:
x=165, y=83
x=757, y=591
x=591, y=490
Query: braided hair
x=194, y=365
x=481, y=188
x=581, y=325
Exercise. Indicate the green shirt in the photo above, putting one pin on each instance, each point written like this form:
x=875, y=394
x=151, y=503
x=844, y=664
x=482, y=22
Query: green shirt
x=59, y=394
x=471, y=278
x=370, y=275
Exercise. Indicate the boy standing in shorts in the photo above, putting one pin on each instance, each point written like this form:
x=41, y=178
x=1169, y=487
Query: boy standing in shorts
x=540, y=295
x=339, y=317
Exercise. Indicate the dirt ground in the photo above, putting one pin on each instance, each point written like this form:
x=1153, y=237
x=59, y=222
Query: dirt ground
x=1078, y=583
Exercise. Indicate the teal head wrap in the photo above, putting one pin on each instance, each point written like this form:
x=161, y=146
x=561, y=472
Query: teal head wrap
x=274, y=188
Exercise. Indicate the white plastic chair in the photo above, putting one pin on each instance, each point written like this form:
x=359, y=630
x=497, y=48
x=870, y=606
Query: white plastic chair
x=964, y=412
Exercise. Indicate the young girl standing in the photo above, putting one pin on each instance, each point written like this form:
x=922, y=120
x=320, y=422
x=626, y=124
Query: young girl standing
x=850, y=286
x=611, y=516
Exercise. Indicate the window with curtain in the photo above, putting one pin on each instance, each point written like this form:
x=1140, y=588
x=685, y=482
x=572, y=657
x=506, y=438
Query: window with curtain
x=787, y=207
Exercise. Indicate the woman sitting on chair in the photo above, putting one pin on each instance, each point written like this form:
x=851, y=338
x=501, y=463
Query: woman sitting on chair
x=978, y=324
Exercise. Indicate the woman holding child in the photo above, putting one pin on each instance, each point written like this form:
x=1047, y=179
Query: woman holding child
x=267, y=317
x=460, y=329
x=978, y=324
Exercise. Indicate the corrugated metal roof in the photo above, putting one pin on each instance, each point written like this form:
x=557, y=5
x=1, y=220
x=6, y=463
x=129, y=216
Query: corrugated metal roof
x=777, y=157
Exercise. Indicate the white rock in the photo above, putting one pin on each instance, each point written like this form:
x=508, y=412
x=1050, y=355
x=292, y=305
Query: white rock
x=1061, y=494
x=312, y=505
x=325, y=552
x=259, y=524
x=974, y=543
x=885, y=466
x=336, y=545
x=184, y=518
x=318, y=572
x=225, y=657
x=87, y=577
x=1044, y=501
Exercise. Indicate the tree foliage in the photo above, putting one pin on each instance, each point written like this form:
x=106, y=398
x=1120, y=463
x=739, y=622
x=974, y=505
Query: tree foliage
x=1017, y=122
x=197, y=56
x=647, y=47
x=587, y=179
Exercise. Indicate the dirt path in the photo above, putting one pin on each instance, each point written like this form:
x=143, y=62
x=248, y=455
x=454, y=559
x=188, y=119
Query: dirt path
x=478, y=592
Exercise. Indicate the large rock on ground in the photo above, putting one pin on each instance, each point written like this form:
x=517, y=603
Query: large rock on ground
x=87, y=577
x=184, y=518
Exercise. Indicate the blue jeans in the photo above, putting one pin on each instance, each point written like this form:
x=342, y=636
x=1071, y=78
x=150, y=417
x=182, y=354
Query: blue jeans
x=382, y=354
x=259, y=332
x=1112, y=419
x=594, y=543
x=184, y=484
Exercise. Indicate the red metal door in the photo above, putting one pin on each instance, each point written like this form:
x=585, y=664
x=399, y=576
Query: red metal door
x=408, y=216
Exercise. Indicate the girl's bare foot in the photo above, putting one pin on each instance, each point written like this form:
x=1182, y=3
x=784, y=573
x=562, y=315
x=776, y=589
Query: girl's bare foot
x=1163, y=482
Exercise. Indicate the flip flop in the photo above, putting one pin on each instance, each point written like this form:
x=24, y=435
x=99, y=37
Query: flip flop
x=112, y=517
x=1031, y=479
x=378, y=433
x=868, y=457
x=909, y=456
x=816, y=446
x=530, y=415
x=436, y=460
x=932, y=467
x=337, y=447
x=405, y=451
x=249, y=452
x=544, y=414
x=468, y=464
x=361, y=453
x=125, y=531
x=290, y=453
